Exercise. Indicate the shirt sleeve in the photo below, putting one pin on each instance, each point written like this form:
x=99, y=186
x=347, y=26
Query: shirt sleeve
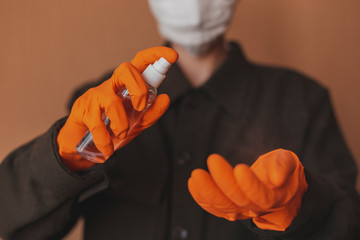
x=39, y=195
x=331, y=206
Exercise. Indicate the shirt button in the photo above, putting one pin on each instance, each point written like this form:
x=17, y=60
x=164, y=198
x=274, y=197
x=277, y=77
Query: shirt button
x=184, y=158
x=180, y=233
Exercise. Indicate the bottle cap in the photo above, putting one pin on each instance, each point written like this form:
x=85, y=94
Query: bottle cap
x=154, y=74
x=162, y=66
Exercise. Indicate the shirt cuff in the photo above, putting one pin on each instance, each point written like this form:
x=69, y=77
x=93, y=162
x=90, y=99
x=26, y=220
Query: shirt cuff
x=83, y=184
x=316, y=205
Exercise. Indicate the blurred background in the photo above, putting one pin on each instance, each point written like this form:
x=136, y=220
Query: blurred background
x=48, y=48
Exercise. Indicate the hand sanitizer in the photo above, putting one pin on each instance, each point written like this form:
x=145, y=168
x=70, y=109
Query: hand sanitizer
x=153, y=75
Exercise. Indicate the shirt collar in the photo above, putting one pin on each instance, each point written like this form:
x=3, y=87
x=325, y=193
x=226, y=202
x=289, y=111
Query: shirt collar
x=227, y=85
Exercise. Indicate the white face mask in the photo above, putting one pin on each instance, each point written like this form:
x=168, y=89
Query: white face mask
x=193, y=24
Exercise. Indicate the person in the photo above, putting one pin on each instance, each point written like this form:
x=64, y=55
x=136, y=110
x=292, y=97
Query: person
x=213, y=101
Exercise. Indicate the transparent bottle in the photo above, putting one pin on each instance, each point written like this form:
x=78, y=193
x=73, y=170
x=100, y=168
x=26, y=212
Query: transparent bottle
x=153, y=75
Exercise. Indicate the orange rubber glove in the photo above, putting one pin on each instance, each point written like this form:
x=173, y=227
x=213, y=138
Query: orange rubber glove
x=270, y=191
x=86, y=112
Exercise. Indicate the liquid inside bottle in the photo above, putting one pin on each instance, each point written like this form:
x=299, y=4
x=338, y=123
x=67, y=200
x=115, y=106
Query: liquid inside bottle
x=153, y=75
x=87, y=149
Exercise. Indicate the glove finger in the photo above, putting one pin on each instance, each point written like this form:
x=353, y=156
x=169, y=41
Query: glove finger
x=207, y=205
x=223, y=175
x=276, y=170
x=148, y=56
x=100, y=134
x=208, y=190
x=280, y=165
x=119, y=122
x=71, y=134
x=202, y=202
x=155, y=111
x=254, y=188
x=127, y=75
x=275, y=167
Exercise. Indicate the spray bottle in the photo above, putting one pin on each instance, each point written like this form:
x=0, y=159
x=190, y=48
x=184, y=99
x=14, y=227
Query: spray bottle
x=153, y=75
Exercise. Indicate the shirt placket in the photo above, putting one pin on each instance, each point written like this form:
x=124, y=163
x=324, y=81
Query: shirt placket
x=192, y=138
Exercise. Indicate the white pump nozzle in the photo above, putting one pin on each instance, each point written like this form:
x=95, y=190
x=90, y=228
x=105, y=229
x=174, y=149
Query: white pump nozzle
x=154, y=74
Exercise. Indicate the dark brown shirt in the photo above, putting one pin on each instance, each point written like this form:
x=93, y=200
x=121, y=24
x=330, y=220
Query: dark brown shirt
x=244, y=110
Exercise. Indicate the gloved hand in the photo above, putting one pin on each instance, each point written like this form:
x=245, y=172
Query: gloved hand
x=86, y=112
x=270, y=191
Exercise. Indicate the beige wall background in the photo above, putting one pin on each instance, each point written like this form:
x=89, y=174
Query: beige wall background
x=47, y=48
